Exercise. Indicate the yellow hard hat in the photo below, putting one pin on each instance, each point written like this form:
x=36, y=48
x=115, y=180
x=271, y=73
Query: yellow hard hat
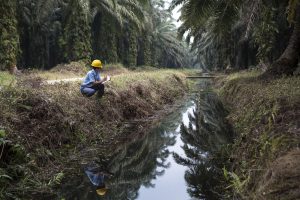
x=97, y=63
x=101, y=191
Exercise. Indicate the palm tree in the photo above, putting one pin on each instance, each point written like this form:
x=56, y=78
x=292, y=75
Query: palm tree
x=110, y=17
x=121, y=10
x=37, y=24
x=209, y=23
x=136, y=32
x=288, y=61
x=165, y=38
x=165, y=42
x=9, y=38
x=212, y=22
x=76, y=32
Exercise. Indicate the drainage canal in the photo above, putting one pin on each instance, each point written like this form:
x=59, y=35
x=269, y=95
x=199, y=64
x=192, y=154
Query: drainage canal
x=179, y=159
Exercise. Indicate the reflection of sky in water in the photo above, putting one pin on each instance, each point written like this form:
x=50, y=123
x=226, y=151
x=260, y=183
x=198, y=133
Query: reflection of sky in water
x=143, y=160
x=172, y=184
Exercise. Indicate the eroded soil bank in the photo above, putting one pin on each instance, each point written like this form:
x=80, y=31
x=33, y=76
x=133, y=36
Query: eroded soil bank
x=44, y=126
x=266, y=118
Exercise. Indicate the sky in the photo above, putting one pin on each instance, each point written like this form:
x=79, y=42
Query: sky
x=175, y=13
x=172, y=184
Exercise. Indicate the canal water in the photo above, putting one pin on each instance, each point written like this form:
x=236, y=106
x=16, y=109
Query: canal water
x=172, y=161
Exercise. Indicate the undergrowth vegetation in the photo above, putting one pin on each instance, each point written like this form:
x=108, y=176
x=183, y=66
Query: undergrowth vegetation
x=6, y=79
x=43, y=124
x=265, y=115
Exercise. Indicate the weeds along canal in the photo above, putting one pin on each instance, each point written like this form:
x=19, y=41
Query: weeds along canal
x=180, y=159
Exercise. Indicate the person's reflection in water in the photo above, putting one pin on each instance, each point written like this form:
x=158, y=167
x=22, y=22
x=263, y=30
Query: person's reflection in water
x=97, y=178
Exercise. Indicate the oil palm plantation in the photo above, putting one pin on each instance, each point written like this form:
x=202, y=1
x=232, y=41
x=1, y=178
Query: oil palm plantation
x=38, y=26
x=234, y=31
x=114, y=17
x=209, y=23
x=166, y=44
x=164, y=39
x=43, y=34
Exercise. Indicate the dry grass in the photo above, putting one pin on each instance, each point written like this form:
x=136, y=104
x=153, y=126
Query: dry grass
x=128, y=96
x=253, y=99
x=79, y=69
x=48, y=120
x=265, y=115
x=69, y=71
x=122, y=81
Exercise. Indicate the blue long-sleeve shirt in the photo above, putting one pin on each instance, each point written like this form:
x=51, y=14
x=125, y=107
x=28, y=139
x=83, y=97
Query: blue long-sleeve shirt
x=96, y=178
x=90, y=78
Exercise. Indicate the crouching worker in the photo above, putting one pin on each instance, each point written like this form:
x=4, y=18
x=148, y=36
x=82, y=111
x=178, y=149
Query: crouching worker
x=93, y=82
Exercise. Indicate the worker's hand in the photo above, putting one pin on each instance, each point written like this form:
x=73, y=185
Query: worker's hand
x=107, y=78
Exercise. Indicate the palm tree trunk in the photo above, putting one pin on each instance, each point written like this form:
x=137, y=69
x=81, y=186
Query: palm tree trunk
x=9, y=37
x=288, y=61
x=242, y=55
x=132, y=54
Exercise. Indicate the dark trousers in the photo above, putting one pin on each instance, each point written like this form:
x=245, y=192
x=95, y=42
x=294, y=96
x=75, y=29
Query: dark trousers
x=90, y=91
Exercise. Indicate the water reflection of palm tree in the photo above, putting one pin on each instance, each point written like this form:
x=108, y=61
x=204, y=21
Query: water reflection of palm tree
x=138, y=163
x=203, y=140
x=133, y=165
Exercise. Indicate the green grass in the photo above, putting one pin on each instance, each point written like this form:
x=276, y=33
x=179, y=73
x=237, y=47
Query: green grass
x=243, y=74
x=263, y=116
x=245, y=89
x=56, y=76
x=79, y=69
x=254, y=101
x=188, y=71
x=122, y=81
x=6, y=79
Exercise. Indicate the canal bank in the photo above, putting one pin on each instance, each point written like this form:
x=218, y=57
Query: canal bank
x=258, y=160
x=45, y=128
x=265, y=156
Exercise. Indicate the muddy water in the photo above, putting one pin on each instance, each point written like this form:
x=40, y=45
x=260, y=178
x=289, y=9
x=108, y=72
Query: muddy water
x=172, y=161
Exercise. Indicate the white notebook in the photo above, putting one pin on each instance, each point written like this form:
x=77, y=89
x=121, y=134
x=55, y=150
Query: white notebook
x=108, y=79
